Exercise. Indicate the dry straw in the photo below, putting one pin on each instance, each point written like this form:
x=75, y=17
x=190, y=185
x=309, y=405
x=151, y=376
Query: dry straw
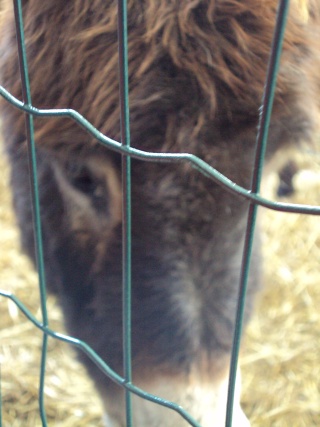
x=281, y=356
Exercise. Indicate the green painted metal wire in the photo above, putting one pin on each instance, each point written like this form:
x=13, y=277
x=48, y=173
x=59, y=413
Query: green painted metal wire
x=35, y=197
x=105, y=369
x=127, y=152
x=197, y=163
x=261, y=146
x=126, y=200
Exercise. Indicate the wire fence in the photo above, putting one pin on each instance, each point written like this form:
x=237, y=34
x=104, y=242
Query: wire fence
x=128, y=152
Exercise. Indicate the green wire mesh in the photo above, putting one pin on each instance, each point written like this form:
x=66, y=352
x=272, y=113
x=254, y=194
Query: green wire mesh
x=127, y=152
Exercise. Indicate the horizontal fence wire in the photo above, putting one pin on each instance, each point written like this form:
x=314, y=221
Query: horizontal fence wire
x=123, y=147
x=197, y=163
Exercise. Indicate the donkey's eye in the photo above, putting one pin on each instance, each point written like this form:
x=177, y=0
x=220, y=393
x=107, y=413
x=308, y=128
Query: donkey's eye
x=83, y=180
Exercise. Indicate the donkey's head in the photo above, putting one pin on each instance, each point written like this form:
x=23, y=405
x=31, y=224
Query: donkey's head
x=196, y=77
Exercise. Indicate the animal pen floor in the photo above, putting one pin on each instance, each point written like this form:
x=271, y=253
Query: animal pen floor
x=281, y=352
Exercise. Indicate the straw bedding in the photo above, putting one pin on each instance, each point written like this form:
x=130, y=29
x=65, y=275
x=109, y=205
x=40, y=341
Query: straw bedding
x=281, y=352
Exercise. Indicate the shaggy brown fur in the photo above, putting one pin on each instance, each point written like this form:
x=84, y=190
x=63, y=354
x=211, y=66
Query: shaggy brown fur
x=196, y=73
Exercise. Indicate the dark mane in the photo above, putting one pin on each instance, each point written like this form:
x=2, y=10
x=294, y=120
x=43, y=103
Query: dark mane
x=214, y=52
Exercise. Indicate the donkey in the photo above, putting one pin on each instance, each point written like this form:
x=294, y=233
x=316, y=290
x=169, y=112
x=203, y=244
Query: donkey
x=196, y=75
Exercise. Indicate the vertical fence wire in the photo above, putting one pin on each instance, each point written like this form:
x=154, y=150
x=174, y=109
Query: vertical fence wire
x=261, y=145
x=126, y=201
x=26, y=93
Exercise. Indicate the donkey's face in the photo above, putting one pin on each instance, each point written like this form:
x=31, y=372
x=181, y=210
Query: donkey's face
x=187, y=240
x=196, y=76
